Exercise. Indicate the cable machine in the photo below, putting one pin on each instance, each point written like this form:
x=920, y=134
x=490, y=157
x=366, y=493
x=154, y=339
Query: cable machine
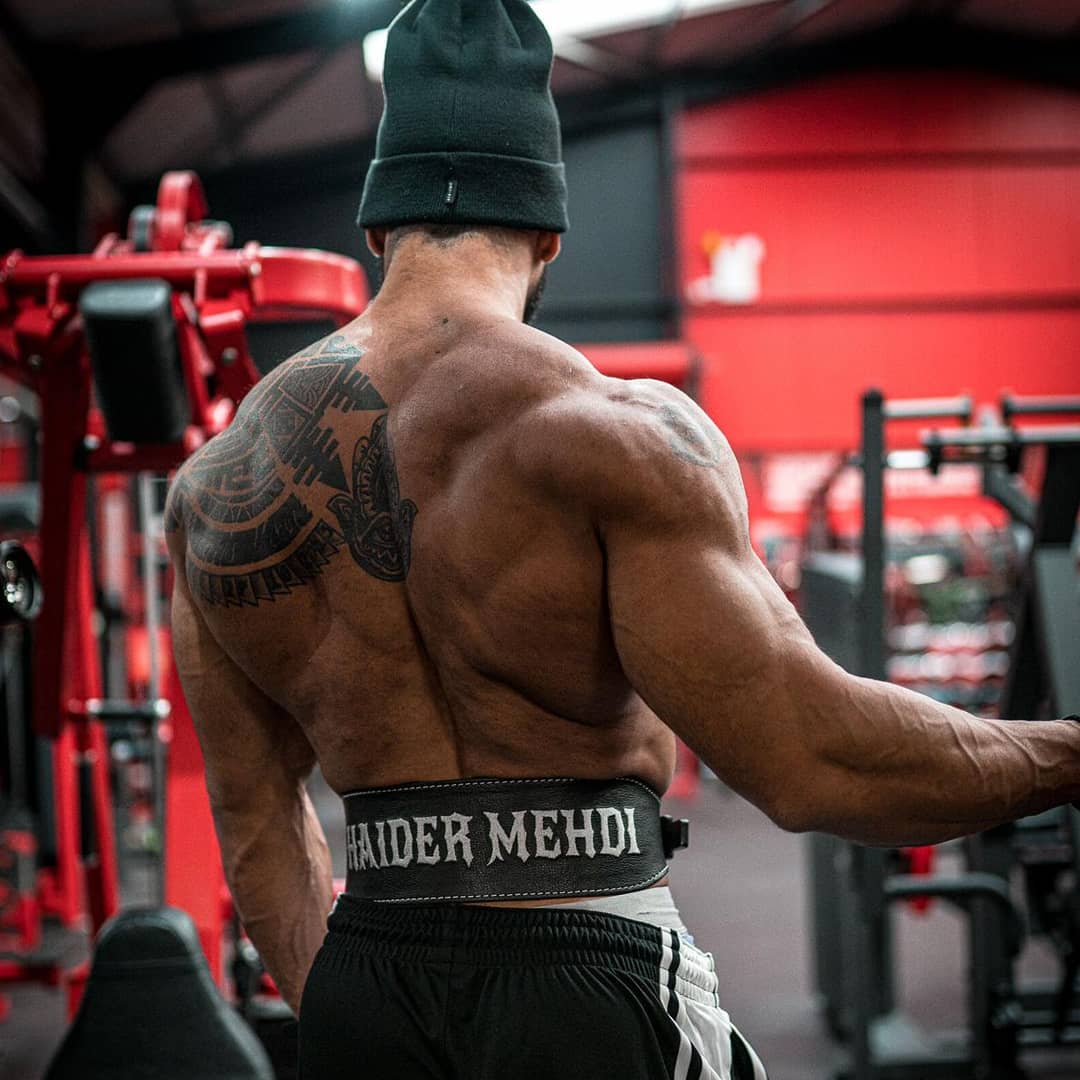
x=854, y=889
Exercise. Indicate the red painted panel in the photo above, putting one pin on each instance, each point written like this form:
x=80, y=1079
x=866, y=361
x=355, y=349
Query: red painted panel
x=893, y=232
x=670, y=361
x=921, y=233
x=889, y=113
x=793, y=382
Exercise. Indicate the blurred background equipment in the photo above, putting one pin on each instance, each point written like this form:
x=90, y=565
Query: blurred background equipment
x=136, y=355
x=952, y=614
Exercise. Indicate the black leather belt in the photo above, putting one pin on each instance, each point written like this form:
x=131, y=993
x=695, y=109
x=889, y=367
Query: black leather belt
x=467, y=840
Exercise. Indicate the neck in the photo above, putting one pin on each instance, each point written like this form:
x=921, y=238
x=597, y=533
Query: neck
x=467, y=278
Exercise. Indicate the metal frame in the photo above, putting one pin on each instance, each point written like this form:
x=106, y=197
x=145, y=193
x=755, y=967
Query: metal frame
x=1044, y=678
x=853, y=888
x=1043, y=681
x=855, y=964
x=215, y=293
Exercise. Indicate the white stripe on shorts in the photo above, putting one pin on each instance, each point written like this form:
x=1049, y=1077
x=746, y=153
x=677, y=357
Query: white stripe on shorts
x=688, y=993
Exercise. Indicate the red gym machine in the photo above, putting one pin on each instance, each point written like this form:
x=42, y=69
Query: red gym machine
x=137, y=354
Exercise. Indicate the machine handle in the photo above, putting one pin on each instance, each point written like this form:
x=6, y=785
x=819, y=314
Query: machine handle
x=1018, y=405
x=961, y=890
x=180, y=200
x=989, y=437
x=954, y=408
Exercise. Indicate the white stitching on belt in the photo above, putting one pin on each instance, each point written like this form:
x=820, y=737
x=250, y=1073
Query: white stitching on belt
x=500, y=783
x=522, y=895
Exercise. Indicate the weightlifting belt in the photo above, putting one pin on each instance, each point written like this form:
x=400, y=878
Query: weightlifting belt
x=469, y=840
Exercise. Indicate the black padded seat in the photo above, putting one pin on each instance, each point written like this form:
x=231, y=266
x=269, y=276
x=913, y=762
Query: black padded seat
x=151, y=1010
x=20, y=508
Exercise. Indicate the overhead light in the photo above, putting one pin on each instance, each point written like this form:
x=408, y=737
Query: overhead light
x=573, y=20
x=375, y=54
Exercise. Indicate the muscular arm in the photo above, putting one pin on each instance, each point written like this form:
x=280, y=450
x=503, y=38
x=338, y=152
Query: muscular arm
x=275, y=855
x=713, y=646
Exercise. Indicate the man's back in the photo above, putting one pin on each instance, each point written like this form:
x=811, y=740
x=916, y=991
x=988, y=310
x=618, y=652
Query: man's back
x=439, y=546
x=386, y=543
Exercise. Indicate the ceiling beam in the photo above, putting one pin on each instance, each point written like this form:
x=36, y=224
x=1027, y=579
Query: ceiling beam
x=790, y=18
x=209, y=50
x=30, y=52
x=242, y=120
x=225, y=119
x=24, y=208
x=123, y=74
x=592, y=58
x=915, y=42
x=912, y=43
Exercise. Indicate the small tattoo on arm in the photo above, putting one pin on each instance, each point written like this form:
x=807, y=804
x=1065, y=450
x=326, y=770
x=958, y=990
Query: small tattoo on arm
x=256, y=526
x=689, y=439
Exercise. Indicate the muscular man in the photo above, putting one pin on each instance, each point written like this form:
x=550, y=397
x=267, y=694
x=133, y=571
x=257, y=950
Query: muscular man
x=439, y=546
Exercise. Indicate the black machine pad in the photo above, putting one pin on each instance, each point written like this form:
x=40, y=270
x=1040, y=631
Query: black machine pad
x=131, y=335
x=151, y=1010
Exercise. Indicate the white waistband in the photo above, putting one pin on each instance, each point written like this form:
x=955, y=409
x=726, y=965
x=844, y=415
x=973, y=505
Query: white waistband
x=695, y=970
x=656, y=906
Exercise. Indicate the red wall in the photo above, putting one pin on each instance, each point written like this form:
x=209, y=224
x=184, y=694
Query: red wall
x=922, y=234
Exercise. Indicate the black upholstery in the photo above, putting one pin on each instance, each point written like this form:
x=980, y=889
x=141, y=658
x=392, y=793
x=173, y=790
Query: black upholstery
x=151, y=1010
x=20, y=508
x=134, y=354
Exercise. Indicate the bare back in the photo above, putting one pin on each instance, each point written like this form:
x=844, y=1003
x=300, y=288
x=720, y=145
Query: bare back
x=380, y=543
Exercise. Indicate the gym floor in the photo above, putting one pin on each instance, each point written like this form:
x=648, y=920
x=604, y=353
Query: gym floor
x=741, y=892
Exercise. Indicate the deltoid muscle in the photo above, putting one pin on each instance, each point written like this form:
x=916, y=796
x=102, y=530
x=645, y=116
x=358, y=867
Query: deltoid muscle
x=257, y=526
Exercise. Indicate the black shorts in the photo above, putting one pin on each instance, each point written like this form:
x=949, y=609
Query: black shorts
x=472, y=993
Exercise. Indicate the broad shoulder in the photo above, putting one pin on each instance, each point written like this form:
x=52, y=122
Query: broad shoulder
x=637, y=450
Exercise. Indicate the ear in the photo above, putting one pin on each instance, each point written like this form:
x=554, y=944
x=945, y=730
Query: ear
x=376, y=241
x=548, y=246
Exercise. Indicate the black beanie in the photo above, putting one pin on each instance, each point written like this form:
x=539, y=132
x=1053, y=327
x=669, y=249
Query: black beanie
x=469, y=134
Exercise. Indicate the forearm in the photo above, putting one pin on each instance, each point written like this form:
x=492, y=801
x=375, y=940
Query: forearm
x=278, y=868
x=719, y=654
x=893, y=767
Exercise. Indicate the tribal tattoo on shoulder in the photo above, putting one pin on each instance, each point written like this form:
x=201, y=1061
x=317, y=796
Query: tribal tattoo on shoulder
x=251, y=537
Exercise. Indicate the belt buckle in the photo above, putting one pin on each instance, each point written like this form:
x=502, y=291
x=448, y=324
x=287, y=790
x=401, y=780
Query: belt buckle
x=674, y=833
